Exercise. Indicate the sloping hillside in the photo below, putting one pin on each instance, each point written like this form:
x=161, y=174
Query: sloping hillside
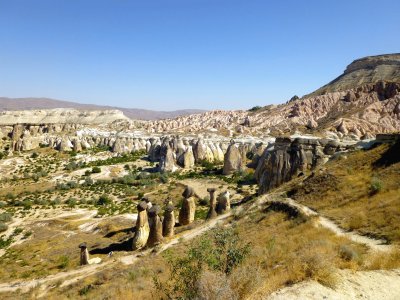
x=360, y=191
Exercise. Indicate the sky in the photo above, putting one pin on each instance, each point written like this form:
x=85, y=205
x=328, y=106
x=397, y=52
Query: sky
x=179, y=54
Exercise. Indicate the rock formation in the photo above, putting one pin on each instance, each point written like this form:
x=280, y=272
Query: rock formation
x=84, y=257
x=212, y=213
x=224, y=203
x=235, y=159
x=156, y=226
x=142, y=227
x=291, y=156
x=188, y=208
x=168, y=221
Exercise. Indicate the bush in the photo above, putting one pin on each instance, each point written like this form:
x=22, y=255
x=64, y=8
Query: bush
x=27, y=204
x=10, y=196
x=3, y=227
x=376, y=186
x=63, y=262
x=104, y=200
x=34, y=155
x=255, y=108
x=71, y=202
x=5, y=217
x=205, y=201
x=348, y=253
x=221, y=251
x=96, y=169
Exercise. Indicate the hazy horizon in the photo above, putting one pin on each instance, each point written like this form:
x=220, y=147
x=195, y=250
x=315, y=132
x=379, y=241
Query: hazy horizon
x=179, y=55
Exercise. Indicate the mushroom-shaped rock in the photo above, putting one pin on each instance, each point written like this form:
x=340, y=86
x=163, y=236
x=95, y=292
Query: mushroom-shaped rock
x=168, y=221
x=84, y=258
x=142, y=227
x=155, y=236
x=224, y=203
x=212, y=213
x=188, y=208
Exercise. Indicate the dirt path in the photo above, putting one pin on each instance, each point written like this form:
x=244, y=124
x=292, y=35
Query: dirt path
x=359, y=285
x=73, y=276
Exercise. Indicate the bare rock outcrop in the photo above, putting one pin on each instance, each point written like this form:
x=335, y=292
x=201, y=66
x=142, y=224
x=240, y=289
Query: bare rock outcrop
x=290, y=157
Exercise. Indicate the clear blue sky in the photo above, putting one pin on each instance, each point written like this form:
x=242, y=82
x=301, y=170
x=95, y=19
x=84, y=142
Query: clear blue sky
x=173, y=54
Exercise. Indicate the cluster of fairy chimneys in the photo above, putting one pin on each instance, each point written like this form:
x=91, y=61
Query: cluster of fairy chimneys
x=151, y=228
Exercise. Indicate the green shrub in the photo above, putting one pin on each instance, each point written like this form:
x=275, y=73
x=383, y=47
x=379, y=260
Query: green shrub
x=205, y=201
x=221, y=251
x=3, y=227
x=255, y=108
x=376, y=186
x=71, y=202
x=104, y=200
x=5, y=217
x=63, y=262
x=96, y=169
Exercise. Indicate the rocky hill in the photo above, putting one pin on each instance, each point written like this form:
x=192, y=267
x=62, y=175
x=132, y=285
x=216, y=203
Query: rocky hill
x=364, y=101
x=367, y=70
x=7, y=104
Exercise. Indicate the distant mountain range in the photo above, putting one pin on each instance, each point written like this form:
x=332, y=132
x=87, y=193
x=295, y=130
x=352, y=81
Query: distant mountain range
x=47, y=103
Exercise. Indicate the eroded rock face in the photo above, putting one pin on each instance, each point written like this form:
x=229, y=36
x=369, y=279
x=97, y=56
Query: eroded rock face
x=291, y=156
x=188, y=208
x=142, y=227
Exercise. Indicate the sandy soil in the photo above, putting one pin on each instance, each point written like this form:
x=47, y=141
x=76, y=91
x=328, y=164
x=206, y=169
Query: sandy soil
x=359, y=285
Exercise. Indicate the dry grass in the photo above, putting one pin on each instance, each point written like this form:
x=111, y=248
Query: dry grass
x=357, y=193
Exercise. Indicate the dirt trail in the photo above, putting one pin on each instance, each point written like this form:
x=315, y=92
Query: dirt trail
x=73, y=276
x=359, y=285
